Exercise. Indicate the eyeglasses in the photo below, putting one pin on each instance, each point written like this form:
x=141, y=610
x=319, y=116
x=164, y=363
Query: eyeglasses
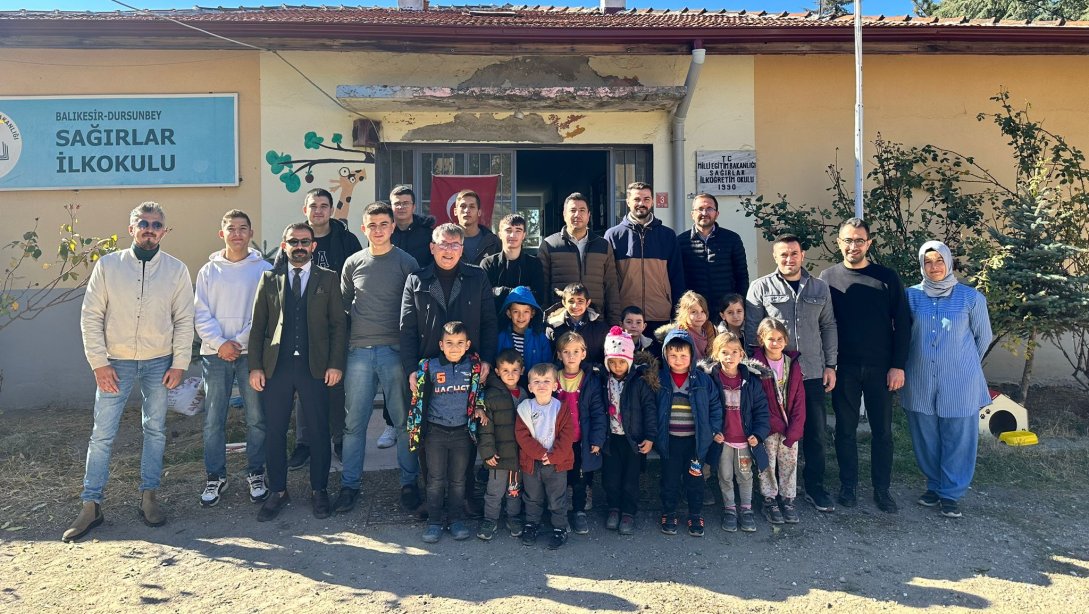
x=144, y=225
x=448, y=247
x=854, y=242
x=298, y=242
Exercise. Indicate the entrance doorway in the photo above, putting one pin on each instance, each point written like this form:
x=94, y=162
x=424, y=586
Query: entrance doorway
x=547, y=177
x=533, y=181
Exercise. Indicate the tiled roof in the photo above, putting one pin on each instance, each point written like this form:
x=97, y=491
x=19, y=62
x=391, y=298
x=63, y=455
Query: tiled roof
x=523, y=16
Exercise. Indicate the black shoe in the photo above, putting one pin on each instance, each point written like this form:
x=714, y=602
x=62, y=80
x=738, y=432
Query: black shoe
x=729, y=521
x=847, y=496
x=949, y=508
x=612, y=522
x=580, y=524
x=790, y=513
x=299, y=458
x=929, y=499
x=410, y=497
x=695, y=526
x=668, y=524
x=772, y=513
x=272, y=506
x=820, y=500
x=529, y=534
x=346, y=500
x=558, y=539
x=884, y=501
x=320, y=501
x=748, y=520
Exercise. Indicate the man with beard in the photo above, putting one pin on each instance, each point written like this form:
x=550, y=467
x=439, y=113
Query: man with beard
x=577, y=255
x=713, y=257
x=137, y=324
x=647, y=258
x=874, y=333
x=804, y=305
x=333, y=243
x=297, y=346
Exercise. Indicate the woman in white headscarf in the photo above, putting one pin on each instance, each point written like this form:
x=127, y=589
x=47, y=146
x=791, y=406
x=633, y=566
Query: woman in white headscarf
x=945, y=385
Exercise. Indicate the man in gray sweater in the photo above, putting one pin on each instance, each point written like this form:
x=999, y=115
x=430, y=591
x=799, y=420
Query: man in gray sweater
x=371, y=284
x=804, y=304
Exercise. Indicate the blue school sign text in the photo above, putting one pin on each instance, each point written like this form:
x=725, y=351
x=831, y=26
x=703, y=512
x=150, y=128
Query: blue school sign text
x=59, y=143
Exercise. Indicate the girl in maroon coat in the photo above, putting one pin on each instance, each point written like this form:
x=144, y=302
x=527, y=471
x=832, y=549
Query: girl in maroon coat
x=786, y=407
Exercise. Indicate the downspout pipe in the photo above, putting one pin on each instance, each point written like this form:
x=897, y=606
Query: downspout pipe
x=677, y=203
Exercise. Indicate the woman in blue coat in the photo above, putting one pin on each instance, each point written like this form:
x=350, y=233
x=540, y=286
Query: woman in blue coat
x=945, y=385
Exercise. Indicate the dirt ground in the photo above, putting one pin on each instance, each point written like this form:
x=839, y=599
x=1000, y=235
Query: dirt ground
x=1019, y=547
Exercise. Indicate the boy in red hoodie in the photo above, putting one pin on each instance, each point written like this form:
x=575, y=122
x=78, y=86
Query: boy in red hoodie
x=545, y=437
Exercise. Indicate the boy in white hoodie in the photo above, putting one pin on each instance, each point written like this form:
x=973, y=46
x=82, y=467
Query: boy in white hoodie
x=225, y=289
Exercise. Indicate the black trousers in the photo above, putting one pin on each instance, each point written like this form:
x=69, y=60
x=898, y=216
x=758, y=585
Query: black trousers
x=449, y=452
x=620, y=474
x=292, y=376
x=816, y=426
x=853, y=382
x=579, y=481
x=682, y=451
x=335, y=426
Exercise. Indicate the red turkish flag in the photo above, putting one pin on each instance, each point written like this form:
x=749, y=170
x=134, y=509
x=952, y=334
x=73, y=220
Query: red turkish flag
x=445, y=188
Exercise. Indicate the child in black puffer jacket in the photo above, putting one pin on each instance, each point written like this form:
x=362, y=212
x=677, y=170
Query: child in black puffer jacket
x=498, y=447
x=631, y=402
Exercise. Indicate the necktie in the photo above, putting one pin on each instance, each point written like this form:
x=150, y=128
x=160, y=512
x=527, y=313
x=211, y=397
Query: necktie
x=296, y=284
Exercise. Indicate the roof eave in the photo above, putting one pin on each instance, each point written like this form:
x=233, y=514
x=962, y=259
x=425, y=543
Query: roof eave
x=130, y=34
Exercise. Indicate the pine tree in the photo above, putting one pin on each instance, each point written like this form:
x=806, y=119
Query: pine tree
x=1033, y=273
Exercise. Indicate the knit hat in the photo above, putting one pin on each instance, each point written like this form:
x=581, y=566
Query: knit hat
x=619, y=344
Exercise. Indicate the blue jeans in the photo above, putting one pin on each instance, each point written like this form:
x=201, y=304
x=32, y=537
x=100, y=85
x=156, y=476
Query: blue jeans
x=368, y=368
x=108, y=409
x=219, y=377
x=945, y=449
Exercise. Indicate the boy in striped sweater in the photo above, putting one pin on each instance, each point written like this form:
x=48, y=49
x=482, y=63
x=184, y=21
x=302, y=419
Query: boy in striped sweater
x=689, y=418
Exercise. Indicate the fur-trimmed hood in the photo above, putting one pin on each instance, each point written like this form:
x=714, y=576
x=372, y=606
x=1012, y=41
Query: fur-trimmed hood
x=645, y=361
x=708, y=366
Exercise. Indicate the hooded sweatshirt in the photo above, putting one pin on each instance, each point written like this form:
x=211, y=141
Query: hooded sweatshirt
x=704, y=397
x=223, y=301
x=536, y=348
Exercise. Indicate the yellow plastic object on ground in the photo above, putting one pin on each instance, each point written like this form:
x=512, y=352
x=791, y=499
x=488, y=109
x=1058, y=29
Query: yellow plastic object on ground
x=1019, y=438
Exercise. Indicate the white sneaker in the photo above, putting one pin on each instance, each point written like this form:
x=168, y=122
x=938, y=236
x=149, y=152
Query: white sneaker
x=258, y=489
x=213, y=488
x=388, y=438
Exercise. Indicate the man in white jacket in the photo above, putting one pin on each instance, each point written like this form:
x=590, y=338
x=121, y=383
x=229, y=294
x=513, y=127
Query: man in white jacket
x=137, y=324
x=225, y=289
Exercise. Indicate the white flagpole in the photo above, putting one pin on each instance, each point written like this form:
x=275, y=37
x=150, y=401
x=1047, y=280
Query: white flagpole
x=858, y=109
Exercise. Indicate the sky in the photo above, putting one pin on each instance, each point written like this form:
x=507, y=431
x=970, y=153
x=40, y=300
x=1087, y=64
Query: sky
x=869, y=7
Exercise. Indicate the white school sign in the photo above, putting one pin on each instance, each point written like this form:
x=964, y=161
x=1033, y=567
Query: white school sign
x=731, y=172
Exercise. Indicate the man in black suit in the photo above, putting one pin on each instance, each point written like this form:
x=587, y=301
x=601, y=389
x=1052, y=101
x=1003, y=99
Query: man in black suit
x=297, y=345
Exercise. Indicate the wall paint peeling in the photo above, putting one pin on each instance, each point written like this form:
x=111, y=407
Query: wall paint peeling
x=486, y=127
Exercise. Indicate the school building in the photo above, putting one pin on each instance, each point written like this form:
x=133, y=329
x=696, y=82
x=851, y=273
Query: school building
x=204, y=110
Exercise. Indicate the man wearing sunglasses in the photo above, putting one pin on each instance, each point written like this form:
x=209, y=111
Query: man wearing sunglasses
x=333, y=243
x=137, y=325
x=874, y=325
x=298, y=343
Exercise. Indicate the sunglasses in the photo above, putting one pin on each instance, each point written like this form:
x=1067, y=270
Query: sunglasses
x=144, y=225
x=298, y=242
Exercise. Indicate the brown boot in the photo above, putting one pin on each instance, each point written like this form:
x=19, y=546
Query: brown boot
x=90, y=516
x=150, y=511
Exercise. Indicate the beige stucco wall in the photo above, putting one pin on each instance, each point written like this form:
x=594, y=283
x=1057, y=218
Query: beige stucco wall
x=193, y=213
x=721, y=116
x=42, y=360
x=805, y=110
